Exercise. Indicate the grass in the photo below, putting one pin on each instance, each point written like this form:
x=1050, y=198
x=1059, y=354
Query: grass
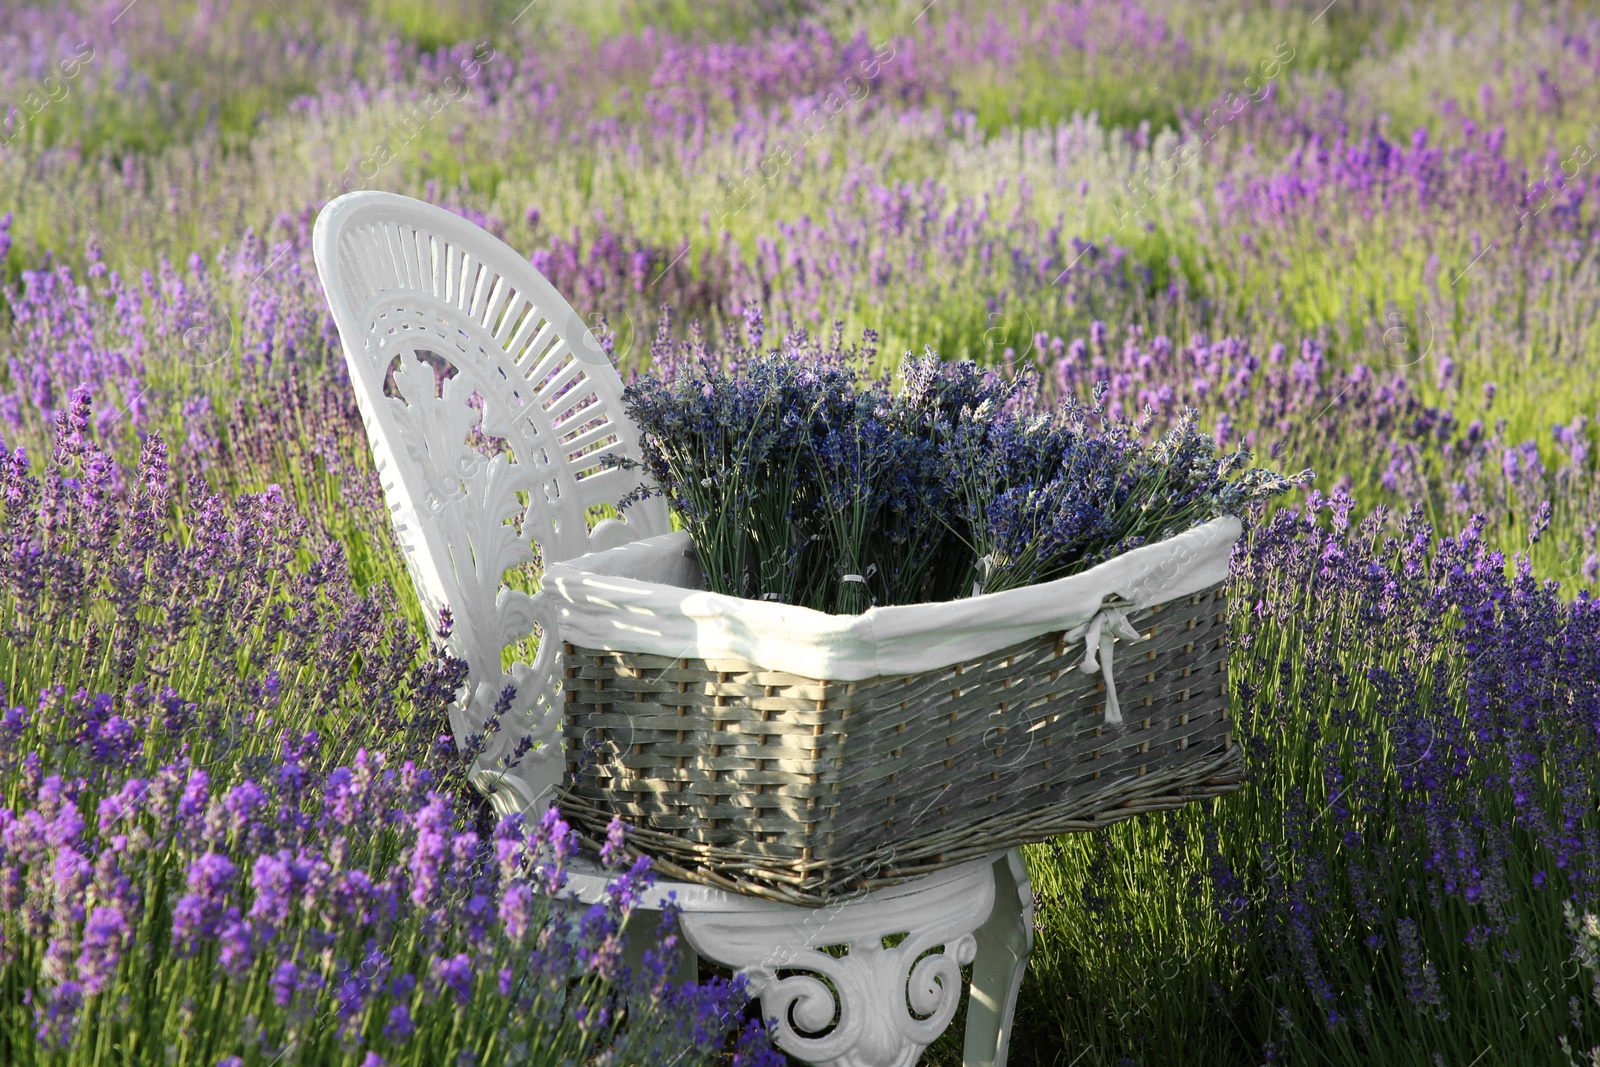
x=211, y=147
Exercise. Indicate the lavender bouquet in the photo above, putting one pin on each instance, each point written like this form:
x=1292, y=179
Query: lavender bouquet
x=807, y=482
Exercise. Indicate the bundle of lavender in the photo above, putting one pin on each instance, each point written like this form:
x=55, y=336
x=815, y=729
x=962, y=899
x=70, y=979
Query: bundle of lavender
x=805, y=482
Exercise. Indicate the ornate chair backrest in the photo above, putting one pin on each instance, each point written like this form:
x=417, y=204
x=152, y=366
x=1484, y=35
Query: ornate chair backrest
x=489, y=406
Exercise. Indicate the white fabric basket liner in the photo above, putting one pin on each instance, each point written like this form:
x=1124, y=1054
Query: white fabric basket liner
x=648, y=596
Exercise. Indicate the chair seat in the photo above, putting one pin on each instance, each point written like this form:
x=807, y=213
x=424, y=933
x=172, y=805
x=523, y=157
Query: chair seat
x=587, y=880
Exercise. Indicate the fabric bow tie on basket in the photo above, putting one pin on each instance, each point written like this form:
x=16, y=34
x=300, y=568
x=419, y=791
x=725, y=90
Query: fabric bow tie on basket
x=1099, y=633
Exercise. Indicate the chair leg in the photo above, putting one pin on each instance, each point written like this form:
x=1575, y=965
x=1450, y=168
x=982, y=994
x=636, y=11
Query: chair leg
x=1004, y=942
x=876, y=1004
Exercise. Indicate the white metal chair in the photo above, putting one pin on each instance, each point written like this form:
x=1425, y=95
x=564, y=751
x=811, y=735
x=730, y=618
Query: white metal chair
x=404, y=278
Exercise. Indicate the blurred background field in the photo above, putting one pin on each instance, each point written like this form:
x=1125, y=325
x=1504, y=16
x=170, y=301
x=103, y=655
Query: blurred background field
x=1357, y=236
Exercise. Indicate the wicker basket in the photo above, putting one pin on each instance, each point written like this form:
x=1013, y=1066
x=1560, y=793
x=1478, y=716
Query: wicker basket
x=806, y=790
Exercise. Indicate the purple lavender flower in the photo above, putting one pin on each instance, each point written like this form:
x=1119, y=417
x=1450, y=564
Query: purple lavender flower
x=519, y=907
x=242, y=802
x=285, y=981
x=237, y=944
x=428, y=857
x=105, y=935
x=199, y=913
x=453, y=974
x=611, y=853
x=195, y=794
x=399, y=1027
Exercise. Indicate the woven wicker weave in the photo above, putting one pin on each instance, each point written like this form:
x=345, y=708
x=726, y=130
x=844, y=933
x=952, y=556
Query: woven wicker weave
x=806, y=790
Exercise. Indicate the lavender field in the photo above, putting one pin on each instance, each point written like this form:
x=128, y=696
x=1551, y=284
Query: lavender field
x=1356, y=236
